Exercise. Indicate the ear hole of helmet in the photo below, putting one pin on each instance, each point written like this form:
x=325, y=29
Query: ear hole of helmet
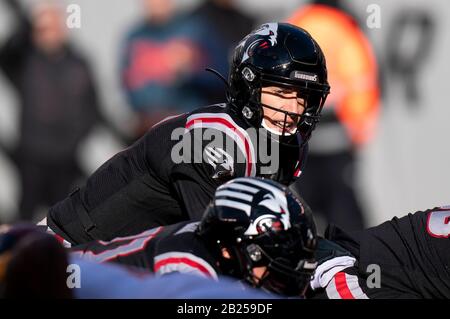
x=252, y=100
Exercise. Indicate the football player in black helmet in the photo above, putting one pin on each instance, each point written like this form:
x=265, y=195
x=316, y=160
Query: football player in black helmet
x=254, y=230
x=277, y=86
x=278, y=80
x=263, y=234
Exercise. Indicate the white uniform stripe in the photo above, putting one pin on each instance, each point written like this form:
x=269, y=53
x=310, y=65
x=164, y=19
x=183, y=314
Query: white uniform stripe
x=43, y=222
x=239, y=142
x=241, y=187
x=211, y=158
x=220, y=152
x=144, y=234
x=234, y=195
x=326, y=271
x=184, y=267
x=214, y=152
x=332, y=291
x=167, y=118
x=229, y=203
x=189, y=228
x=138, y=243
x=353, y=286
x=278, y=193
x=230, y=132
x=50, y=231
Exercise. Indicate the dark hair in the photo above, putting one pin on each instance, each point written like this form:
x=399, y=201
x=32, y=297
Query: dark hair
x=37, y=268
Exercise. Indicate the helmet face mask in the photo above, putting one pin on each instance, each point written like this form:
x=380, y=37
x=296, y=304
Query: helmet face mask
x=305, y=122
x=288, y=265
x=271, y=231
x=281, y=55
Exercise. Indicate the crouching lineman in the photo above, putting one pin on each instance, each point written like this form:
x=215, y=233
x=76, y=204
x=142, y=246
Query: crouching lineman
x=258, y=231
x=254, y=230
x=33, y=264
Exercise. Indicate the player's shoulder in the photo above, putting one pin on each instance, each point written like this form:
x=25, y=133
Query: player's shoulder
x=225, y=143
x=414, y=232
x=431, y=223
x=423, y=235
x=214, y=116
x=181, y=250
x=178, y=237
x=218, y=116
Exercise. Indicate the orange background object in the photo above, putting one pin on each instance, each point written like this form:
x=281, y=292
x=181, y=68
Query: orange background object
x=352, y=68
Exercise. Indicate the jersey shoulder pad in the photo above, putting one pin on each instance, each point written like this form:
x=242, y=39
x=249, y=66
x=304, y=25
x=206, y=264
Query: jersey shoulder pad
x=184, y=252
x=221, y=143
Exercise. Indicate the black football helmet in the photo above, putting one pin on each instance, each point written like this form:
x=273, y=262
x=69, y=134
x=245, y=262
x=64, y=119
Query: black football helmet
x=261, y=223
x=282, y=55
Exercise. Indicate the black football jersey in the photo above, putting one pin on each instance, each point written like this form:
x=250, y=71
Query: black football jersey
x=169, y=175
x=161, y=250
x=406, y=257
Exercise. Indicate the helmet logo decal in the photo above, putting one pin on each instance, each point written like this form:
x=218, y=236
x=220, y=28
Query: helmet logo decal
x=267, y=223
x=271, y=203
x=248, y=74
x=247, y=112
x=221, y=161
x=273, y=212
x=304, y=76
x=269, y=31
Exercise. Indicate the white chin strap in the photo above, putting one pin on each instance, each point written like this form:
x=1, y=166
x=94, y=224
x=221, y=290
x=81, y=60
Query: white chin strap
x=271, y=130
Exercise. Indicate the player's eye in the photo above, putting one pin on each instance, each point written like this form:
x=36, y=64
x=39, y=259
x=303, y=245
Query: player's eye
x=284, y=92
x=300, y=101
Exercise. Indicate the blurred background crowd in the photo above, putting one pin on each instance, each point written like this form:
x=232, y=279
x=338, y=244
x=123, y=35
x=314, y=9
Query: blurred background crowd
x=71, y=97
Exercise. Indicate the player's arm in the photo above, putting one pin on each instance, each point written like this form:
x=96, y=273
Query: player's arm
x=130, y=250
x=355, y=283
x=115, y=195
x=412, y=252
x=344, y=284
x=184, y=252
x=332, y=259
x=339, y=274
x=214, y=159
x=194, y=189
x=407, y=256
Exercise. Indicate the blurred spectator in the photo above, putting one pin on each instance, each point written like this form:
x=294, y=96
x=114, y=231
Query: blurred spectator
x=224, y=25
x=33, y=264
x=162, y=65
x=58, y=99
x=349, y=117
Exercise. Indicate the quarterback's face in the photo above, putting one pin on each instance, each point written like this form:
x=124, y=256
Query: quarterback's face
x=282, y=99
